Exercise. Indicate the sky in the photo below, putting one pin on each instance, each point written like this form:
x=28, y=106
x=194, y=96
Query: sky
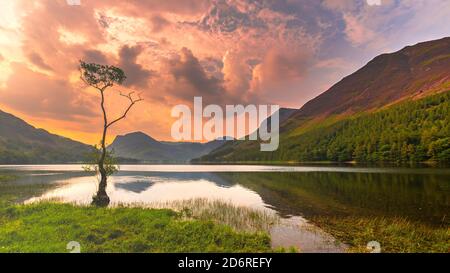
x=283, y=52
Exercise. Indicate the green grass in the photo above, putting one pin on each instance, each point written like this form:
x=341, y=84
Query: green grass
x=196, y=225
x=396, y=235
x=237, y=217
x=48, y=227
x=7, y=177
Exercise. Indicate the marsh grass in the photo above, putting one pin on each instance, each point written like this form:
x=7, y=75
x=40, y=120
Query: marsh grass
x=181, y=226
x=238, y=217
x=6, y=177
x=395, y=234
x=48, y=227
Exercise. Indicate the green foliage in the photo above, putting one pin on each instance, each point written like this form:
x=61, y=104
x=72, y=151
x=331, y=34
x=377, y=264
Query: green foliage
x=48, y=227
x=7, y=177
x=411, y=131
x=393, y=234
x=20, y=150
x=92, y=159
x=101, y=76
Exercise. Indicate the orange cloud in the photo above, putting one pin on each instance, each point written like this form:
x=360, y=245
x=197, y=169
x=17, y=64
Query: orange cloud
x=40, y=94
x=228, y=51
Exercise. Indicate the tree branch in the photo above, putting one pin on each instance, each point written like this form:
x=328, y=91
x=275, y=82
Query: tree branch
x=132, y=100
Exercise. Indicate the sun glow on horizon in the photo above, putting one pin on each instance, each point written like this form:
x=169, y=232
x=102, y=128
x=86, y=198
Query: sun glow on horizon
x=228, y=52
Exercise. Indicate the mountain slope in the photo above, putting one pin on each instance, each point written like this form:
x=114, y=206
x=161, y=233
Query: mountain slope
x=140, y=146
x=21, y=143
x=412, y=73
x=411, y=131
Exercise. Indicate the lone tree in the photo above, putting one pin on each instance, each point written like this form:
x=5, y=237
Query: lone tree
x=102, y=77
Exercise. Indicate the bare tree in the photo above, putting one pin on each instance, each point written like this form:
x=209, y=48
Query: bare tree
x=102, y=77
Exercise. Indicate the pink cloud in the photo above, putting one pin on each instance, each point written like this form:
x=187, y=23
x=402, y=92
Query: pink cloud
x=228, y=51
x=39, y=94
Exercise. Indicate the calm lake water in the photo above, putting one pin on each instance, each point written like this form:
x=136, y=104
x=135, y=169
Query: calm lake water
x=422, y=194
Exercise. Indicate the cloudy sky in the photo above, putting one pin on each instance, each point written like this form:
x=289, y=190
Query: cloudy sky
x=227, y=51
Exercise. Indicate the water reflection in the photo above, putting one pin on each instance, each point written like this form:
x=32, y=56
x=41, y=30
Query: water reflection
x=424, y=197
x=234, y=168
x=138, y=186
x=422, y=194
x=135, y=187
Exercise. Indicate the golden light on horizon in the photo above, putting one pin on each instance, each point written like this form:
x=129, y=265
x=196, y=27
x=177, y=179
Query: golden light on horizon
x=228, y=53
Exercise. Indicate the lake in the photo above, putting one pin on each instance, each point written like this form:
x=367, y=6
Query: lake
x=422, y=194
x=295, y=193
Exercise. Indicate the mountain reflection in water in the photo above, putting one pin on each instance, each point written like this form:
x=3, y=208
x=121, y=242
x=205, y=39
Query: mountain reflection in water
x=420, y=194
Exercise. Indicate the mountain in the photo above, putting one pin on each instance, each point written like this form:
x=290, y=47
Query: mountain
x=375, y=95
x=411, y=73
x=284, y=114
x=21, y=143
x=139, y=146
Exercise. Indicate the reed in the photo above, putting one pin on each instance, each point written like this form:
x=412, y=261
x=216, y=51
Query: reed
x=221, y=212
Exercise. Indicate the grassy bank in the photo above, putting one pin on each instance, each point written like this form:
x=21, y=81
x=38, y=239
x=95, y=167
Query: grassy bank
x=393, y=234
x=196, y=227
x=238, y=217
x=48, y=227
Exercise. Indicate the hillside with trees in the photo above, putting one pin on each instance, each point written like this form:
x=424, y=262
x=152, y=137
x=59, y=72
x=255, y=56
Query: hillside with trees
x=411, y=131
x=394, y=109
x=21, y=143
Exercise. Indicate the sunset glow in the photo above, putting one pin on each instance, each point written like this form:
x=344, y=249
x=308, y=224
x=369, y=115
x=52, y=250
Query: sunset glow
x=227, y=51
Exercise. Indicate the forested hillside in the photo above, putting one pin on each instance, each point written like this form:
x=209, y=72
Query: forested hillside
x=411, y=131
x=382, y=112
x=21, y=143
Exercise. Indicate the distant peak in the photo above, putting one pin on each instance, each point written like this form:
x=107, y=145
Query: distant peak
x=134, y=136
x=137, y=133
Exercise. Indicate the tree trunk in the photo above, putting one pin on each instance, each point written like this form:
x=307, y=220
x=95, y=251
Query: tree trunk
x=101, y=199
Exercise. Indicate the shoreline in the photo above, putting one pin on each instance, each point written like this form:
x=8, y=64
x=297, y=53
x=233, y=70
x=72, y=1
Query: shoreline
x=316, y=234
